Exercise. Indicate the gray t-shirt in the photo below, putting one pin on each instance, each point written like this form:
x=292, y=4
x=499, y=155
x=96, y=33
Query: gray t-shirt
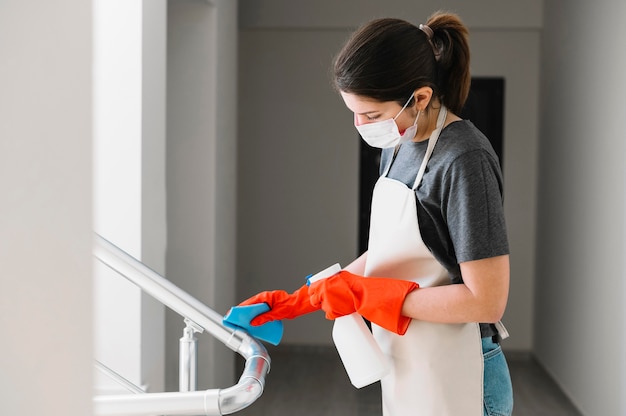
x=459, y=200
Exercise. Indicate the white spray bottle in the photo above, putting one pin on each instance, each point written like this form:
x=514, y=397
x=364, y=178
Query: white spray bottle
x=361, y=356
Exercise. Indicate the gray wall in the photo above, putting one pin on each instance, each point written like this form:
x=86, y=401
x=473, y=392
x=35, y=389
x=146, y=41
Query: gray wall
x=298, y=150
x=581, y=229
x=153, y=198
x=201, y=172
x=45, y=226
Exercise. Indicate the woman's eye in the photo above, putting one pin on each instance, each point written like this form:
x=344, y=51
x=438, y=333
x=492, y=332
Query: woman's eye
x=371, y=118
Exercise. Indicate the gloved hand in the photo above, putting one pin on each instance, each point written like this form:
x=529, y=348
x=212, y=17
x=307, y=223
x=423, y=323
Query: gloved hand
x=282, y=305
x=377, y=299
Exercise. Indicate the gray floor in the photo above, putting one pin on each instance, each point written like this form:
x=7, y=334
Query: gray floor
x=310, y=381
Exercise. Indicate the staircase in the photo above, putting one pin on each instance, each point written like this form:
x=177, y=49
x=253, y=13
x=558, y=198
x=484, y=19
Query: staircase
x=198, y=318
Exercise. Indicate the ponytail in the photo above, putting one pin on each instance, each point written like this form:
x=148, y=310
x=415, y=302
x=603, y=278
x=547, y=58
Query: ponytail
x=450, y=42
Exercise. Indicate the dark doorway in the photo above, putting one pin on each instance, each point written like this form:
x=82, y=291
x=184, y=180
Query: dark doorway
x=484, y=107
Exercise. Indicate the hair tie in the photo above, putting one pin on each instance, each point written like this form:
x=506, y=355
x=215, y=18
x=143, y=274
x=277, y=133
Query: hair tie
x=430, y=34
x=426, y=29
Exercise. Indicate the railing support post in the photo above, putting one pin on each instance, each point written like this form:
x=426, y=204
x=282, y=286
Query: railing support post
x=188, y=358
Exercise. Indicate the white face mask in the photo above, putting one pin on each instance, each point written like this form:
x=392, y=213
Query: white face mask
x=385, y=134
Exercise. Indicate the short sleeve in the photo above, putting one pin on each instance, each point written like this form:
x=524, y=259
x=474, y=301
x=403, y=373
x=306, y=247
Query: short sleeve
x=472, y=206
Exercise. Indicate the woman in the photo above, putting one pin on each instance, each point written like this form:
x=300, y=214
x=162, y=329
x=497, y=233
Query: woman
x=435, y=279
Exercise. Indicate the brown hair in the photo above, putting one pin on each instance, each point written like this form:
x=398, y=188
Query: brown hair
x=388, y=59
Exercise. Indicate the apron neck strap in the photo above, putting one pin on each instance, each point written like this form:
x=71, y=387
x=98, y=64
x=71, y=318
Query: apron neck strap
x=432, y=141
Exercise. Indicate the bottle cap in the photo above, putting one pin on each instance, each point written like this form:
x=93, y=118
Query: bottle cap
x=327, y=272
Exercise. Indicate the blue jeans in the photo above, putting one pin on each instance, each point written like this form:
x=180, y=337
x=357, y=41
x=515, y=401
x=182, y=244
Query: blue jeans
x=497, y=390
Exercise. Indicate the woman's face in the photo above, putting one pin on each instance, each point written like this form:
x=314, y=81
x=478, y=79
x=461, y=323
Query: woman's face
x=367, y=110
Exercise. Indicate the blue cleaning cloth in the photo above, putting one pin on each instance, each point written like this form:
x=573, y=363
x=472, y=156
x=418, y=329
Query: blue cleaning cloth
x=239, y=317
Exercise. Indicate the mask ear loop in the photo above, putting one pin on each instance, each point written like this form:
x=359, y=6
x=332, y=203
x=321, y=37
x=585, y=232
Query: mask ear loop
x=407, y=103
x=397, y=148
x=417, y=118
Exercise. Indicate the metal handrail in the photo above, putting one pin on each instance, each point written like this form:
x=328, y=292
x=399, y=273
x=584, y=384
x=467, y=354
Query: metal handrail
x=208, y=402
x=121, y=381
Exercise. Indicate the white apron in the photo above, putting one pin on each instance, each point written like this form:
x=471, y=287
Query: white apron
x=436, y=369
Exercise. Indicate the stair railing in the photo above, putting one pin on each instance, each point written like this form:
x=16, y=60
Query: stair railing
x=198, y=318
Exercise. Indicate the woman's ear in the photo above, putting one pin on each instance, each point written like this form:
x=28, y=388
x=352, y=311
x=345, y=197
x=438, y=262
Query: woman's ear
x=422, y=97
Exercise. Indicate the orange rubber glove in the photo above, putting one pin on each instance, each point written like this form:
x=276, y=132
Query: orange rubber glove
x=377, y=299
x=282, y=305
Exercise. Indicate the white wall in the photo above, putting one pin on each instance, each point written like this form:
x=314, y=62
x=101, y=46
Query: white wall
x=45, y=226
x=131, y=154
x=129, y=183
x=580, y=312
x=298, y=150
x=499, y=53
x=201, y=172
